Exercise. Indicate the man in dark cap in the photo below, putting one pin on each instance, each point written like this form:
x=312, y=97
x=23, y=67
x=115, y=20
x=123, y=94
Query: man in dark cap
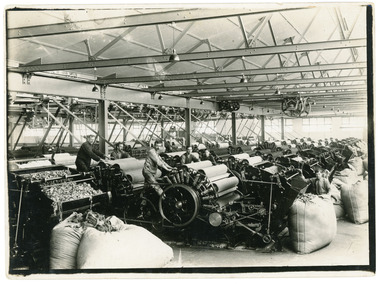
x=119, y=153
x=86, y=153
x=188, y=157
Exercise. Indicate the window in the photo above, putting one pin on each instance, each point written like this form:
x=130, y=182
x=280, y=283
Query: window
x=206, y=127
x=288, y=125
x=350, y=123
x=316, y=124
x=354, y=122
x=273, y=128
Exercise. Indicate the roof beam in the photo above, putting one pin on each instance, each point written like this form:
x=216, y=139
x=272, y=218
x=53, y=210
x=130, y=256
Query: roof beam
x=194, y=56
x=257, y=84
x=244, y=33
x=321, y=103
x=112, y=43
x=44, y=85
x=256, y=31
x=221, y=74
x=136, y=21
x=235, y=94
x=336, y=95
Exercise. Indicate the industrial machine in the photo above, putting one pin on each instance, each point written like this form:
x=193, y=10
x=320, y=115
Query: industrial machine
x=247, y=204
x=39, y=198
x=244, y=199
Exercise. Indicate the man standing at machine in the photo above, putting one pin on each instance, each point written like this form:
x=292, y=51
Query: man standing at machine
x=188, y=157
x=119, y=153
x=86, y=153
x=153, y=161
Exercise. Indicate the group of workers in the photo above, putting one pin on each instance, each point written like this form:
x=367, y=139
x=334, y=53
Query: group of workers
x=87, y=151
x=153, y=162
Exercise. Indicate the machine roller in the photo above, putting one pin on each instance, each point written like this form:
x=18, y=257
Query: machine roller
x=254, y=200
x=41, y=197
x=246, y=196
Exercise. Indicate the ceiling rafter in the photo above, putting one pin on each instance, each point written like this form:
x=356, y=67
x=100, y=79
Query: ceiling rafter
x=302, y=37
x=221, y=74
x=66, y=49
x=235, y=94
x=167, y=67
x=340, y=80
x=112, y=42
x=193, y=56
x=329, y=94
x=348, y=36
x=243, y=31
x=316, y=98
x=274, y=42
x=182, y=34
x=256, y=84
x=258, y=29
x=342, y=25
x=167, y=17
x=160, y=38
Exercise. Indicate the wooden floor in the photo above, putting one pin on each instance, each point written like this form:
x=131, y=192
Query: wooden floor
x=349, y=247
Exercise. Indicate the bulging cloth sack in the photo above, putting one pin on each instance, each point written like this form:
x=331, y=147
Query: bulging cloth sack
x=347, y=176
x=355, y=201
x=312, y=223
x=131, y=247
x=337, y=202
x=365, y=164
x=64, y=242
x=358, y=164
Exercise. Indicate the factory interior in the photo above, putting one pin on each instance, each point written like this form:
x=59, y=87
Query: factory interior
x=210, y=140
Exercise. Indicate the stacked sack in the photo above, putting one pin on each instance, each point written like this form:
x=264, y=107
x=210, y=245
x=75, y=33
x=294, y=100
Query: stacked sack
x=352, y=184
x=312, y=223
x=94, y=241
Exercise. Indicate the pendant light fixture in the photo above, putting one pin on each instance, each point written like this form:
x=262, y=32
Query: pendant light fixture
x=243, y=79
x=95, y=88
x=174, y=57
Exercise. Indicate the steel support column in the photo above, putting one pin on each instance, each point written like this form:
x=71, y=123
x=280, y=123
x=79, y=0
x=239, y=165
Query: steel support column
x=233, y=129
x=71, y=128
x=188, y=123
x=103, y=125
x=282, y=128
x=262, y=119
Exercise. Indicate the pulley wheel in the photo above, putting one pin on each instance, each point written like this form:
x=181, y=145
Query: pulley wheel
x=179, y=205
x=267, y=239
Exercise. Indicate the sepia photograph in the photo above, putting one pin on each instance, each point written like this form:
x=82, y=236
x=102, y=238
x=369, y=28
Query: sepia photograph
x=189, y=140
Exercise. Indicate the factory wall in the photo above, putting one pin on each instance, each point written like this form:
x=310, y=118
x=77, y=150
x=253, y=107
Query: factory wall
x=340, y=128
x=215, y=130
